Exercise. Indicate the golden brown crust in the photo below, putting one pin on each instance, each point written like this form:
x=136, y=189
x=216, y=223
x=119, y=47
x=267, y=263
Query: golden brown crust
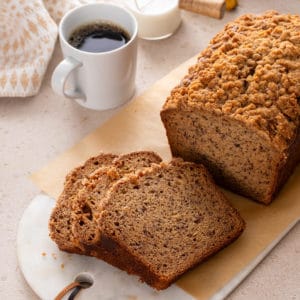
x=249, y=72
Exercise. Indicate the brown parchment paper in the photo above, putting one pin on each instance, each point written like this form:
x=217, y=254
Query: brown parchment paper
x=138, y=126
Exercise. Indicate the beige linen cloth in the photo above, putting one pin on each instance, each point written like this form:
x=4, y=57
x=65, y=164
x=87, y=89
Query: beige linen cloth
x=28, y=32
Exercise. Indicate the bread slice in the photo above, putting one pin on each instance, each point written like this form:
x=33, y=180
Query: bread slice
x=60, y=219
x=85, y=206
x=164, y=220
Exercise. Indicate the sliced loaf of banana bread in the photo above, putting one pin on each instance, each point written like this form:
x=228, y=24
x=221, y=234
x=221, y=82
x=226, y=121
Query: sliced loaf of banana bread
x=164, y=220
x=237, y=110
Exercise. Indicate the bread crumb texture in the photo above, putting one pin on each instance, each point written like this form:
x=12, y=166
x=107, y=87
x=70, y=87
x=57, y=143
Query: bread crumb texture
x=169, y=217
x=249, y=72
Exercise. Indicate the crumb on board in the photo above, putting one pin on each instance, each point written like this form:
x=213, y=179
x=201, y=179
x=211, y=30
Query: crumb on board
x=44, y=254
x=62, y=266
x=54, y=255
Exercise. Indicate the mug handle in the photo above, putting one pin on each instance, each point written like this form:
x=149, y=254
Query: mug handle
x=60, y=77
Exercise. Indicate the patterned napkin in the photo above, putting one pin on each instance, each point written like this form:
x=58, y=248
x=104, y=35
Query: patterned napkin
x=28, y=32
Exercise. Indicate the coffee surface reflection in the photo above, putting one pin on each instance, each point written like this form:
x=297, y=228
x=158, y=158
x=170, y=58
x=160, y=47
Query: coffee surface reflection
x=99, y=37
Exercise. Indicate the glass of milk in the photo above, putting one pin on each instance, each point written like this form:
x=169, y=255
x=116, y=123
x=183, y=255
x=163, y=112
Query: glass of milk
x=157, y=19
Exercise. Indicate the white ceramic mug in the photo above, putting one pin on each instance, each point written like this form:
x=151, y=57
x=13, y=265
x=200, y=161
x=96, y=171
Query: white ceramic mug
x=102, y=80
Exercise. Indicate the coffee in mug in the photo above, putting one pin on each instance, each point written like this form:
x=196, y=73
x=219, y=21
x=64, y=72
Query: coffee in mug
x=99, y=45
x=99, y=37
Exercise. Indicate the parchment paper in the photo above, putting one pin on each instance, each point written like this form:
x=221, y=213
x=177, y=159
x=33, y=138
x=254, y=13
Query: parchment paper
x=138, y=126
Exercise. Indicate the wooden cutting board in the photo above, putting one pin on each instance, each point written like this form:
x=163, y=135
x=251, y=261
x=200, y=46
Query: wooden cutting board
x=138, y=126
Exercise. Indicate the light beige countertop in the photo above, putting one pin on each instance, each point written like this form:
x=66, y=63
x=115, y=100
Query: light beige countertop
x=35, y=130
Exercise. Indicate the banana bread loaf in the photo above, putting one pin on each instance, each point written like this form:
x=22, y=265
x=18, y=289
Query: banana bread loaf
x=237, y=109
x=164, y=220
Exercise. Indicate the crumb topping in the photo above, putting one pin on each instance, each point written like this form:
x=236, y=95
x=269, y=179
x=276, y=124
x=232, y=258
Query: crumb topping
x=251, y=72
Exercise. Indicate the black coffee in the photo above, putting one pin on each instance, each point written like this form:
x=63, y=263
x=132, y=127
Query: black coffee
x=99, y=37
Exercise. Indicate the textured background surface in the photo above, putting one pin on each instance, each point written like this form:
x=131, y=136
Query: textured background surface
x=37, y=129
